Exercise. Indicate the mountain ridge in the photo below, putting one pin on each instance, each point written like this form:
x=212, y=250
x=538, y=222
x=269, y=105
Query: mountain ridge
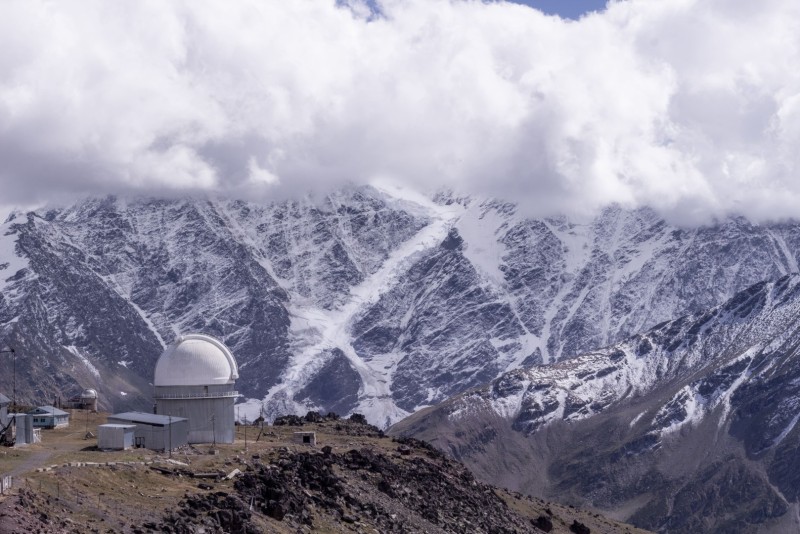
x=690, y=426
x=406, y=299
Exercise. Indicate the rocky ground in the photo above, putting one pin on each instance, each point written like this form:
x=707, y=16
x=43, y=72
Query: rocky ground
x=27, y=513
x=354, y=480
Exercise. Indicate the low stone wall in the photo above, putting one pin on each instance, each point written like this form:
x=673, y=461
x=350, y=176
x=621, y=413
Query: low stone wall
x=107, y=464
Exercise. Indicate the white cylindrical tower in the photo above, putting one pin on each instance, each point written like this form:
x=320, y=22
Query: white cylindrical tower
x=195, y=378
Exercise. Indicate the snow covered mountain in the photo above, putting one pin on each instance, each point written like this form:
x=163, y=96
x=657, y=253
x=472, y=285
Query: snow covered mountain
x=688, y=427
x=373, y=299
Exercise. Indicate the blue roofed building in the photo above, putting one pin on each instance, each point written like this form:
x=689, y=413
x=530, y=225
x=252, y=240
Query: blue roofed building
x=49, y=417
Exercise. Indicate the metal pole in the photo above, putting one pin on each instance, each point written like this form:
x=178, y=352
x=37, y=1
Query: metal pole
x=170, y=435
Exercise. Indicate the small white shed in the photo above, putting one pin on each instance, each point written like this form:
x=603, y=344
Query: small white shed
x=153, y=431
x=115, y=437
x=305, y=438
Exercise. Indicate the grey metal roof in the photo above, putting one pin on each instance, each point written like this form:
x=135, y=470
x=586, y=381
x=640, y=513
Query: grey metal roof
x=146, y=418
x=47, y=410
x=112, y=425
x=4, y=400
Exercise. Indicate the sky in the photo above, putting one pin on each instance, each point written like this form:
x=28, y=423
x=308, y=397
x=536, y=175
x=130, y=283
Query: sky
x=568, y=9
x=691, y=107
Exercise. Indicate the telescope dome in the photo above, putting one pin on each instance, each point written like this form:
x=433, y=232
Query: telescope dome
x=196, y=360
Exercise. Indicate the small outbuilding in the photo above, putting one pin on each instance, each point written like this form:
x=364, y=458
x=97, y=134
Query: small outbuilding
x=49, y=417
x=156, y=432
x=305, y=438
x=22, y=431
x=115, y=437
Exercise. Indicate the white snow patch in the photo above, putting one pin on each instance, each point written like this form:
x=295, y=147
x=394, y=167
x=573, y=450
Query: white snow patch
x=114, y=284
x=528, y=345
x=510, y=406
x=250, y=408
x=148, y=322
x=725, y=397
x=320, y=330
x=92, y=369
x=695, y=406
x=8, y=255
x=780, y=243
x=480, y=228
x=250, y=241
x=637, y=418
x=786, y=430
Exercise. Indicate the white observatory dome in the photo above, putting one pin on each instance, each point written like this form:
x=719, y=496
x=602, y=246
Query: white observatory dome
x=196, y=360
x=89, y=394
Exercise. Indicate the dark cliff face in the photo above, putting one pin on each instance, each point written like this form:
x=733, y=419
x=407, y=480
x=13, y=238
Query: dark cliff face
x=690, y=426
x=107, y=283
x=583, y=286
x=442, y=319
x=402, y=301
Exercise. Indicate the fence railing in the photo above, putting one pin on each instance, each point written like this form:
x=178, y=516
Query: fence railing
x=209, y=395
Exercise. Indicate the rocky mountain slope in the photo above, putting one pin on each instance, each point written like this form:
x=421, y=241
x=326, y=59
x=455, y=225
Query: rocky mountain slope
x=690, y=426
x=373, y=299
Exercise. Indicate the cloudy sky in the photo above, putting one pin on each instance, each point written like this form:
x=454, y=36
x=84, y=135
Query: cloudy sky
x=689, y=106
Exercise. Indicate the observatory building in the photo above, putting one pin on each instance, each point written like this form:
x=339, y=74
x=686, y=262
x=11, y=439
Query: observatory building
x=89, y=399
x=85, y=401
x=194, y=379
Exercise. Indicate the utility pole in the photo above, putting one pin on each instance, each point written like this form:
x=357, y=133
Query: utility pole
x=213, y=431
x=245, y=431
x=170, y=435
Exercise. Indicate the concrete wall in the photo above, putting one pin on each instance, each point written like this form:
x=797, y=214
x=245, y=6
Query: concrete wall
x=305, y=438
x=211, y=418
x=25, y=434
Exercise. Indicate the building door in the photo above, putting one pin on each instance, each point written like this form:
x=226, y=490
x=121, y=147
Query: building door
x=139, y=442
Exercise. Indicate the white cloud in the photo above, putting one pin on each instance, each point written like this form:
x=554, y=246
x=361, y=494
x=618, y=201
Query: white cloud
x=692, y=106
